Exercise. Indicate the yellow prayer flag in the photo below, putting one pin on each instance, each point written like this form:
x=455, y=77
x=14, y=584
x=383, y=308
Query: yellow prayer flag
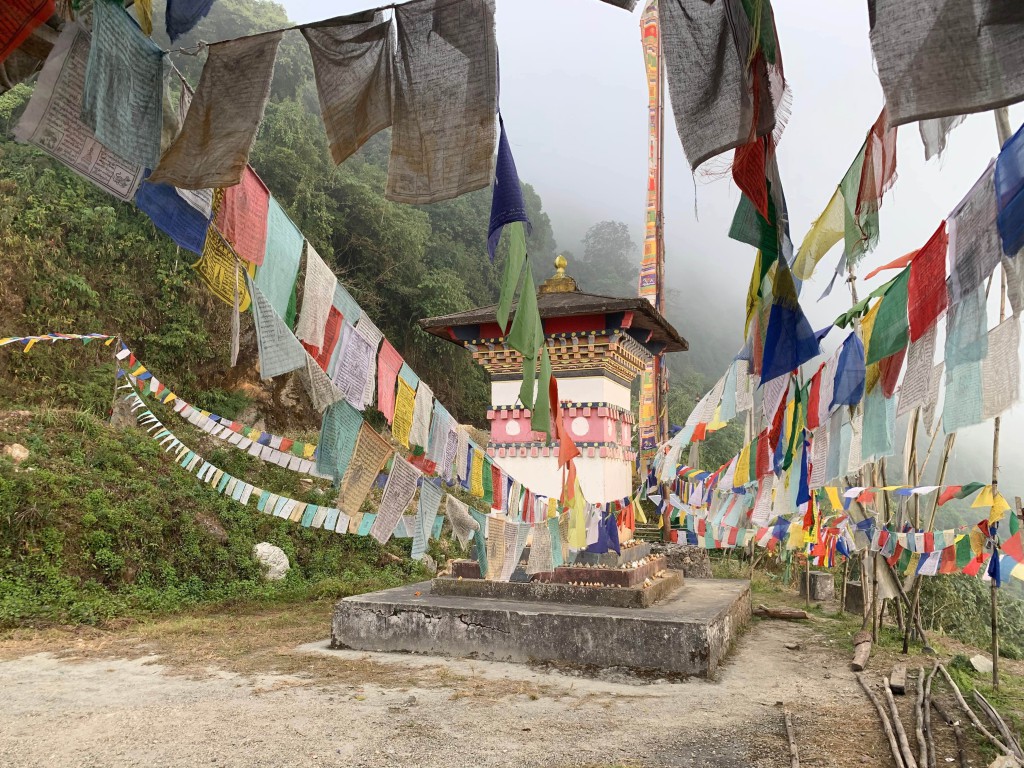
x=638, y=511
x=833, y=497
x=29, y=346
x=144, y=11
x=577, y=520
x=552, y=507
x=752, y=293
x=796, y=537
x=716, y=421
x=827, y=230
x=984, y=498
x=742, y=475
x=1018, y=571
x=217, y=268
x=401, y=424
x=915, y=558
x=476, y=470
x=308, y=450
x=999, y=509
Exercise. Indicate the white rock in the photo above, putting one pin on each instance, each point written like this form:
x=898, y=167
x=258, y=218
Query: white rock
x=982, y=663
x=1004, y=761
x=16, y=452
x=429, y=564
x=273, y=559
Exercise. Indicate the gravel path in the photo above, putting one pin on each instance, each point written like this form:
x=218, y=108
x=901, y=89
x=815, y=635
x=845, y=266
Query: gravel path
x=427, y=712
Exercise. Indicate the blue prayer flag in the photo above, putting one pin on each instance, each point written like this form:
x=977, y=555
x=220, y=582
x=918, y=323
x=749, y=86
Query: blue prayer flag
x=182, y=15
x=850, y=373
x=1009, y=182
x=173, y=215
x=507, y=203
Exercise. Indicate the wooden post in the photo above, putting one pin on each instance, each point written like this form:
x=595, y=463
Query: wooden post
x=874, y=577
x=1002, y=116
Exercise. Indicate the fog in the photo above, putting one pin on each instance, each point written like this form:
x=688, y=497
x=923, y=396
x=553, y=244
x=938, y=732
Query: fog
x=574, y=101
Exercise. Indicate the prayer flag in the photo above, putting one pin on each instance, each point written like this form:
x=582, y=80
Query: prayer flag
x=790, y=342
x=182, y=15
x=226, y=111
x=280, y=267
x=404, y=406
x=242, y=217
x=850, y=373
x=927, y=288
x=889, y=333
x=389, y=362
x=173, y=215
x=507, y=203
x=1009, y=182
x=18, y=18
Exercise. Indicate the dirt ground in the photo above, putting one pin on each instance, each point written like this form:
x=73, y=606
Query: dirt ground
x=260, y=688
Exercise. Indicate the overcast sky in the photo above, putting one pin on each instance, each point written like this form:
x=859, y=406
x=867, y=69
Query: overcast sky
x=574, y=100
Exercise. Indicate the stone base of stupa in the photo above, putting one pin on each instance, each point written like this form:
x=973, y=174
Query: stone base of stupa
x=687, y=632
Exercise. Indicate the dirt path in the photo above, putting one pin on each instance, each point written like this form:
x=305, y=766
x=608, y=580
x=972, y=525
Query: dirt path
x=246, y=691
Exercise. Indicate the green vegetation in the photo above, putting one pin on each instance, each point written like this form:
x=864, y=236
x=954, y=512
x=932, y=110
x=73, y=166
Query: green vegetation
x=99, y=523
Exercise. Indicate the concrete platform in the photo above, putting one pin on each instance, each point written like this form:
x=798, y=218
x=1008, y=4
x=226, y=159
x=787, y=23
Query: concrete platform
x=638, y=596
x=687, y=634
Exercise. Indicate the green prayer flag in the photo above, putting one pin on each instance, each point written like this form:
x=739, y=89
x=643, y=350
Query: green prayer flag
x=479, y=541
x=861, y=230
x=964, y=553
x=513, y=271
x=488, y=483
x=891, y=331
x=904, y=561
x=540, y=419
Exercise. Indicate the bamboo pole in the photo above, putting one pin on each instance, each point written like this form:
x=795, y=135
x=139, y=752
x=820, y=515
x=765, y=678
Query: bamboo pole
x=894, y=746
x=1002, y=117
x=901, y=733
x=972, y=716
x=794, y=753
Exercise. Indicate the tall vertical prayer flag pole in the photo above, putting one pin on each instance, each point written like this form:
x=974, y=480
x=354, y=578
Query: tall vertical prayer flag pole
x=654, y=384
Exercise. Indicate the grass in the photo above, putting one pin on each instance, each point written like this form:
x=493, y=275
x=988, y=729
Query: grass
x=99, y=525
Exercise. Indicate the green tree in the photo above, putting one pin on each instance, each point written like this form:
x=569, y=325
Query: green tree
x=610, y=261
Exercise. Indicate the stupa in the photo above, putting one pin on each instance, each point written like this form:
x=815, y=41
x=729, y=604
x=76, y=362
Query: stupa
x=598, y=346
x=628, y=611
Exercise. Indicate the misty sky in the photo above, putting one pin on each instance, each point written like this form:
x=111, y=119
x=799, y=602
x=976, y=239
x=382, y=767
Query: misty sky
x=574, y=100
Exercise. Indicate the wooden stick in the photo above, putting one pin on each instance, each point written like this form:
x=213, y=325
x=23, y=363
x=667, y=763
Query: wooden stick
x=922, y=743
x=901, y=734
x=957, y=733
x=886, y=725
x=780, y=613
x=794, y=753
x=928, y=716
x=999, y=723
x=973, y=717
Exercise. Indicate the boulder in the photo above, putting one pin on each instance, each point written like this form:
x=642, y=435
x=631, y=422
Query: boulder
x=273, y=561
x=429, y=564
x=16, y=452
x=982, y=663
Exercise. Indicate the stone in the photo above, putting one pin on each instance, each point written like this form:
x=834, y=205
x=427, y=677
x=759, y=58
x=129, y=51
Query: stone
x=693, y=561
x=637, y=596
x=823, y=586
x=273, y=561
x=854, y=597
x=121, y=416
x=982, y=663
x=16, y=452
x=429, y=564
x=688, y=634
x=1005, y=761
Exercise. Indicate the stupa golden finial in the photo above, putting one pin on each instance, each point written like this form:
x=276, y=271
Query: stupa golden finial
x=559, y=282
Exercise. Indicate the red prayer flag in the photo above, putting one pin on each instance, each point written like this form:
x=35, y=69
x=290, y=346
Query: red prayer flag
x=1014, y=547
x=889, y=371
x=927, y=289
x=700, y=432
x=242, y=218
x=879, y=171
x=947, y=562
x=972, y=568
x=813, y=399
x=763, y=465
x=929, y=542
x=17, y=20
x=949, y=493
x=389, y=363
x=332, y=332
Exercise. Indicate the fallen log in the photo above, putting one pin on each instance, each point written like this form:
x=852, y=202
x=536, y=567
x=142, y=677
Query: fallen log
x=973, y=717
x=861, y=654
x=897, y=755
x=780, y=613
x=928, y=716
x=922, y=744
x=794, y=753
x=901, y=733
x=1000, y=724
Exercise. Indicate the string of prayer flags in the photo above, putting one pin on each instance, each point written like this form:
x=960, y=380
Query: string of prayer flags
x=18, y=19
x=1009, y=182
x=217, y=135
x=174, y=215
x=389, y=363
x=51, y=124
x=447, y=55
x=124, y=81
x=280, y=268
x=354, y=78
x=182, y=15
x=368, y=459
x=219, y=269
x=947, y=58
x=398, y=492
x=30, y=341
x=507, y=203
x=426, y=514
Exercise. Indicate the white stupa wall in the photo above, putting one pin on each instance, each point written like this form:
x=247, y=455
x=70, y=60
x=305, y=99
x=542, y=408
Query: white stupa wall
x=601, y=478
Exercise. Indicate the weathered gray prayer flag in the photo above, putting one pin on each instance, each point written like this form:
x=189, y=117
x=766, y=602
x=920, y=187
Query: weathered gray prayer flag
x=213, y=146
